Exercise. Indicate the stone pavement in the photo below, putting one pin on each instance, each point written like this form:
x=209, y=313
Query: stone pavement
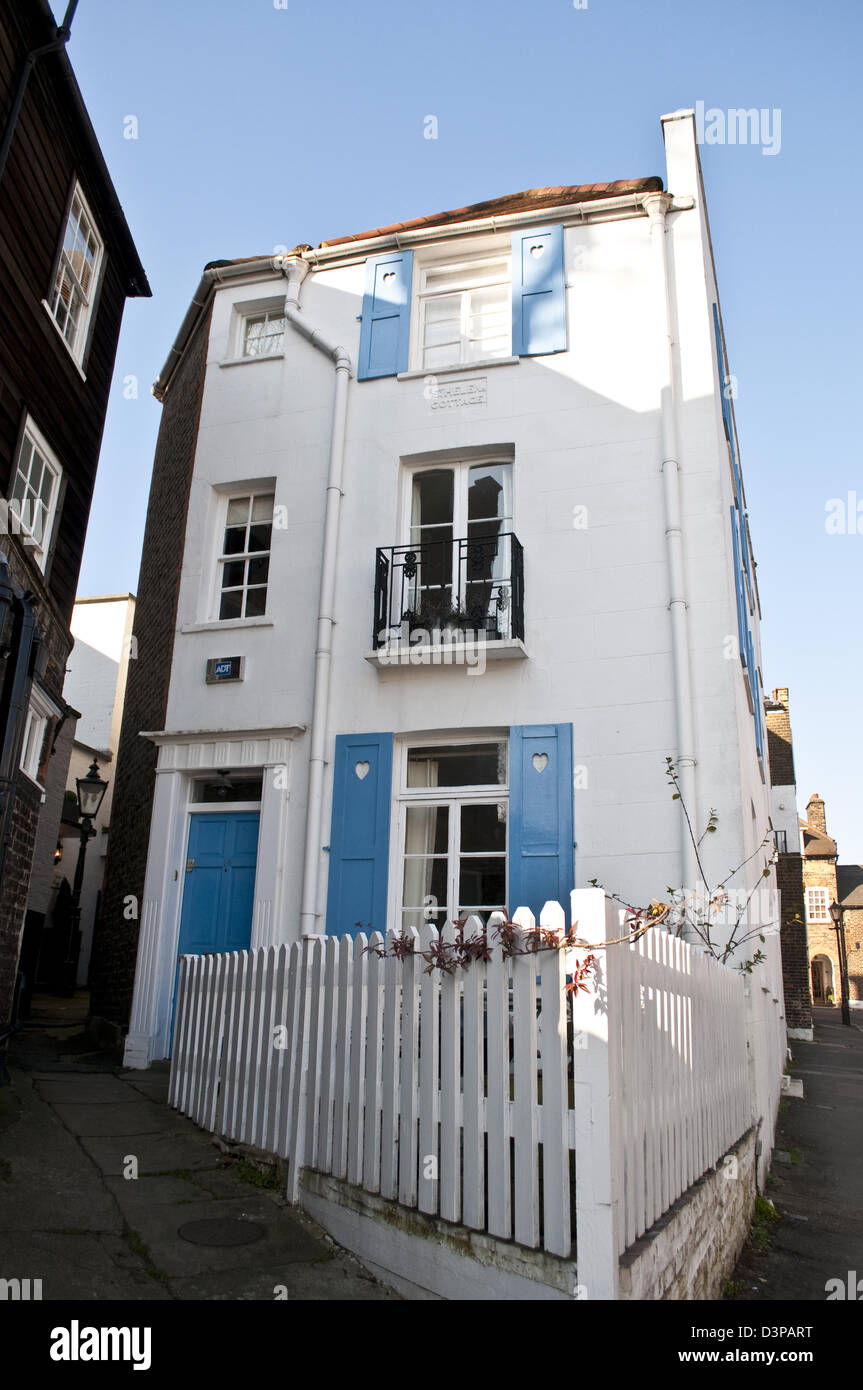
x=816, y=1180
x=71, y=1123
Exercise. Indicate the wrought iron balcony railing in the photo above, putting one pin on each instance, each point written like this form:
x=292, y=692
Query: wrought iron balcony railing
x=474, y=585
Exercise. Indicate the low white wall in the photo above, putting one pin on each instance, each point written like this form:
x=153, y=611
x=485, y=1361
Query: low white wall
x=424, y=1257
x=687, y=1255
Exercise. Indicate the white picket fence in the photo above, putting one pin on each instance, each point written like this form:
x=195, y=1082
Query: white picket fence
x=489, y=1097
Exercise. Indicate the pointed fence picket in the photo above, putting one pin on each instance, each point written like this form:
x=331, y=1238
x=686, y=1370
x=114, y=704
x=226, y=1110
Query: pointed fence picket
x=469, y=1094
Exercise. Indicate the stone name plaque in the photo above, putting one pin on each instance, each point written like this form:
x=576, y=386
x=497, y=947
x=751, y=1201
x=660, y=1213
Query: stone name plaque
x=458, y=395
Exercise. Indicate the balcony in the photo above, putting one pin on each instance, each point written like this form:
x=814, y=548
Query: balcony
x=435, y=598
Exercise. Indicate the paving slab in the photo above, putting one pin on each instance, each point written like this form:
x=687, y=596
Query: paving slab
x=156, y=1153
x=153, y=1085
x=76, y=1266
x=91, y=1121
x=133, y=1194
x=78, y=1089
x=332, y=1281
x=284, y=1241
x=47, y=1180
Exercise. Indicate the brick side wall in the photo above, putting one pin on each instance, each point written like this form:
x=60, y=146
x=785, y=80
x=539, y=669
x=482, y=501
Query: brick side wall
x=16, y=879
x=116, y=937
x=853, y=919
x=795, y=944
x=789, y=873
x=55, y=644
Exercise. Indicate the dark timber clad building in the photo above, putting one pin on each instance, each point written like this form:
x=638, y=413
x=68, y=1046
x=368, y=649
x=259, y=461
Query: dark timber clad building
x=67, y=266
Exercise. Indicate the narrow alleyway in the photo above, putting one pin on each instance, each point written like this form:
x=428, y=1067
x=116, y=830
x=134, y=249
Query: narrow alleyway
x=73, y=1131
x=816, y=1181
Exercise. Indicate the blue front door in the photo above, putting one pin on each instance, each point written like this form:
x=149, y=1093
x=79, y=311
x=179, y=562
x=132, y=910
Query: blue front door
x=219, y=888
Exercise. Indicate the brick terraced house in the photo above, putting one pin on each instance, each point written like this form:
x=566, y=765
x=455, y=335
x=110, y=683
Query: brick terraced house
x=828, y=883
x=67, y=266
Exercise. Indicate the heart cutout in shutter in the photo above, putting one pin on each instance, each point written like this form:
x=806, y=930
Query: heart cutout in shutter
x=540, y=761
x=537, y=249
x=362, y=770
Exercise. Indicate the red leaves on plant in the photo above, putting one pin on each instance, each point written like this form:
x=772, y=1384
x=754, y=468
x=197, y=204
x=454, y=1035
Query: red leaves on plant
x=583, y=972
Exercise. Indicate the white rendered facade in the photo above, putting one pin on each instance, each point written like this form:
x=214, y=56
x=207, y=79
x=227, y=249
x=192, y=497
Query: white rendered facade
x=621, y=493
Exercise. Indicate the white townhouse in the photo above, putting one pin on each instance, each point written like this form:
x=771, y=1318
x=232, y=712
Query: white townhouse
x=464, y=558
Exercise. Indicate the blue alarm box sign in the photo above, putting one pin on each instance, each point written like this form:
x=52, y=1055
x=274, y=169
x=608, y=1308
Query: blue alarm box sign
x=224, y=668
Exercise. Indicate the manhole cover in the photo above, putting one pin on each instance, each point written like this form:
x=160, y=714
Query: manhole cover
x=222, y=1230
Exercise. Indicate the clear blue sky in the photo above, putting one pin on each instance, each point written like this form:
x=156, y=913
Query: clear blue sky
x=260, y=126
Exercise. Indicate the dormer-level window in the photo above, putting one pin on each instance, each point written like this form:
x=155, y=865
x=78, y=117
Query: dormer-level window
x=76, y=276
x=264, y=334
x=465, y=312
x=446, y=308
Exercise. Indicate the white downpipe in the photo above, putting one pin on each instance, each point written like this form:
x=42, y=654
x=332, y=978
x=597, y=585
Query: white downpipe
x=656, y=205
x=296, y=270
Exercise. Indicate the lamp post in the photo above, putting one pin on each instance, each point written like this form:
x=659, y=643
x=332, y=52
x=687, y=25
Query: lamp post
x=836, y=914
x=91, y=793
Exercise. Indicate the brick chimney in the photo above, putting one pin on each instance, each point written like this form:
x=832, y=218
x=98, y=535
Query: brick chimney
x=815, y=814
x=779, y=750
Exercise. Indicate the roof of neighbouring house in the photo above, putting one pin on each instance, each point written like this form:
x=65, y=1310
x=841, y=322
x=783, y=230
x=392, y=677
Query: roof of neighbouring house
x=849, y=884
x=529, y=200
x=816, y=845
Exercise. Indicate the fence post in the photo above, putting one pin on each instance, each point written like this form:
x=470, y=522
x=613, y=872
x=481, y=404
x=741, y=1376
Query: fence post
x=596, y=1069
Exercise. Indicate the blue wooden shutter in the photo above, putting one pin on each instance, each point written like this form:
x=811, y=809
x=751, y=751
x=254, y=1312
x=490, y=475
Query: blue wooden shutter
x=740, y=588
x=727, y=414
x=541, y=856
x=759, y=717
x=385, y=332
x=360, y=835
x=538, y=292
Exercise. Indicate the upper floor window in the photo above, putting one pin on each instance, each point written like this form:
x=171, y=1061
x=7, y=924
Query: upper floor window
x=465, y=311
x=40, y=711
x=76, y=277
x=264, y=334
x=496, y=298
x=35, y=488
x=458, y=516
x=817, y=906
x=244, y=562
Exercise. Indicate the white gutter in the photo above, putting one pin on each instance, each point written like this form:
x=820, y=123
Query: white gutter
x=566, y=213
x=296, y=270
x=656, y=205
x=216, y=275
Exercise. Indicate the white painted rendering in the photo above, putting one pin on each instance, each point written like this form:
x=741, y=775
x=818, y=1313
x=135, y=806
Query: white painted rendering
x=96, y=673
x=586, y=428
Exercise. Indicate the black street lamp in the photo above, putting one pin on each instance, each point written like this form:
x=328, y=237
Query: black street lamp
x=836, y=914
x=91, y=792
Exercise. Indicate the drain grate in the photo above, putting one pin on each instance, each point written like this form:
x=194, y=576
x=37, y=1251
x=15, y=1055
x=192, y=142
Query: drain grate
x=225, y=1231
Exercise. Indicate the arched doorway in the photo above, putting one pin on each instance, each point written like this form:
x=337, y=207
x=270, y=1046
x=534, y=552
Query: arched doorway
x=823, y=988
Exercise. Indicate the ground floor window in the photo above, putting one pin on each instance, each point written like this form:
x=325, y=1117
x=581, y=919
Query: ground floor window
x=453, y=823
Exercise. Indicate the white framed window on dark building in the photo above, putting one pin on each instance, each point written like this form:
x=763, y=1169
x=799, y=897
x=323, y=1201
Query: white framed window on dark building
x=76, y=278
x=33, y=499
